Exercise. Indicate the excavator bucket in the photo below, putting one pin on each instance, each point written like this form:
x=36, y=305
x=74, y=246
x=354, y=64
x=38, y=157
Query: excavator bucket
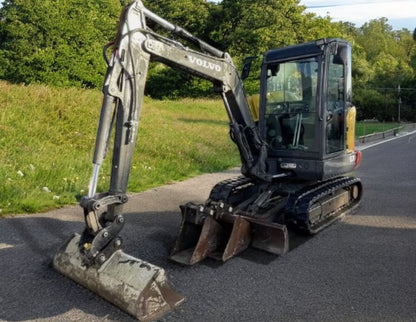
x=267, y=236
x=223, y=240
x=137, y=287
x=270, y=237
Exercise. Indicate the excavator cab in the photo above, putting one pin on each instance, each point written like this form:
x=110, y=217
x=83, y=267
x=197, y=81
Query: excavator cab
x=305, y=98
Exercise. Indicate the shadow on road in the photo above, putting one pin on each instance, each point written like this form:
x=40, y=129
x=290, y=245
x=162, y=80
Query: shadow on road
x=31, y=289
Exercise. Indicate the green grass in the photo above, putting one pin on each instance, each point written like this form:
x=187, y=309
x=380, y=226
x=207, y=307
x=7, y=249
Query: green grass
x=47, y=138
x=365, y=128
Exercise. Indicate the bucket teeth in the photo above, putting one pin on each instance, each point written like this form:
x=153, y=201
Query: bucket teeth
x=211, y=237
x=223, y=239
x=239, y=240
x=137, y=287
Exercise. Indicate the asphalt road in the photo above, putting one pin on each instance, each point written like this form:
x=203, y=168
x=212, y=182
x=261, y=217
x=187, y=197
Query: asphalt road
x=362, y=268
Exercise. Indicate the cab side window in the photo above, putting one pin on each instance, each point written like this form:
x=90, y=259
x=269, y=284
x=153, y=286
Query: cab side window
x=335, y=104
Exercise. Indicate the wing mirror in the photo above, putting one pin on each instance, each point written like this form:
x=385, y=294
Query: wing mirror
x=247, y=66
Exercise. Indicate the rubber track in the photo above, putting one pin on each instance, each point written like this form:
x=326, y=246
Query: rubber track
x=300, y=204
x=222, y=190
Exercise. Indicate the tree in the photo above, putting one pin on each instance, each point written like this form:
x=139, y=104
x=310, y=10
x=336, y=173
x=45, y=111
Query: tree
x=372, y=104
x=252, y=27
x=376, y=36
x=382, y=60
x=192, y=15
x=189, y=14
x=56, y=42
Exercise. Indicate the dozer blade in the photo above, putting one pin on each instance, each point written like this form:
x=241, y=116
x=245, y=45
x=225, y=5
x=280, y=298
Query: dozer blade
x=137, y=287
x=195, y=243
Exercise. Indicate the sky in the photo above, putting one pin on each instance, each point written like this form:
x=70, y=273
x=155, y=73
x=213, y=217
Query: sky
x=400, y=13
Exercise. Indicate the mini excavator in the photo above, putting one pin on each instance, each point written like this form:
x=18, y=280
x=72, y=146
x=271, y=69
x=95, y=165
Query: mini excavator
x=295, y=139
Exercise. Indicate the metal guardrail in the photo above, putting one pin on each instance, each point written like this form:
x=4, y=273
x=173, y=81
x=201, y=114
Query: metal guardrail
x=381, y=135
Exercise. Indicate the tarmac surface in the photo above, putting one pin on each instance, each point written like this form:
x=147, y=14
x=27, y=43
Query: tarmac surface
x=362, y=268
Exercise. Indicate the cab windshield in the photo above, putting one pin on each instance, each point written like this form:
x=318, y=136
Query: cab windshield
x=290, y=104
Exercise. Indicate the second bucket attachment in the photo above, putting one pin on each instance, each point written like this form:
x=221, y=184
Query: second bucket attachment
x=268, y=236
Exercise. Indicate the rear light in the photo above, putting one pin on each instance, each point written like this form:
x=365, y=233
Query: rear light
x=357, y=158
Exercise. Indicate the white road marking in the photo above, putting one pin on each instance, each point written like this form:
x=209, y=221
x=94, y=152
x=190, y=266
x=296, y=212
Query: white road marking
x=384, y=141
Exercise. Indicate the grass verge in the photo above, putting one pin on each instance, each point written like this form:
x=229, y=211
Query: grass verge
x=47, y=138
x=366, y=128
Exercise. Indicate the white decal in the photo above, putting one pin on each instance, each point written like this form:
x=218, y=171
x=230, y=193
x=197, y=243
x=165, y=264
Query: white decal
x=204, y=63
x=285, y=165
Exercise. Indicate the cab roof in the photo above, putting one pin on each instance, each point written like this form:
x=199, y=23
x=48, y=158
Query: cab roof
x=308, y=49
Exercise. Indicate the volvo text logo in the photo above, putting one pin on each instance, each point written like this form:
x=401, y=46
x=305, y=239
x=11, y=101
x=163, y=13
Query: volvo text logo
x=204, y=63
